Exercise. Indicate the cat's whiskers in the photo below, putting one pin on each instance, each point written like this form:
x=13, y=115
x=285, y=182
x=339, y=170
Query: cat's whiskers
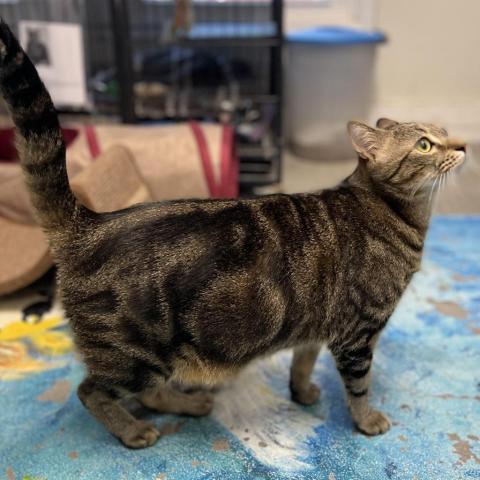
x=443, y=179
x=474, y=166
x=420, y=186
x=447, y=176
x=442, y=182
x=432, y=190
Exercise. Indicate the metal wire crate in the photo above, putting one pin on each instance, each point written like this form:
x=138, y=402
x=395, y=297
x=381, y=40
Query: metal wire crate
x=225, y=65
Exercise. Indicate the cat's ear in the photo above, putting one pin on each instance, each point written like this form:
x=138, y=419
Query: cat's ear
x=365, y=140
x=386, y=122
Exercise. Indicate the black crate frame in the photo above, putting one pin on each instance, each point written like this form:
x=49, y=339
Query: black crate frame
x=265, y=159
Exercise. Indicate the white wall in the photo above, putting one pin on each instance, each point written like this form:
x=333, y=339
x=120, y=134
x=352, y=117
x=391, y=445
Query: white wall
x=303, y=14
x=430, y=67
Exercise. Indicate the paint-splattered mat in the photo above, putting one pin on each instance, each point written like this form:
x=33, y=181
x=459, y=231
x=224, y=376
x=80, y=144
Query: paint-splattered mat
x=426, y=377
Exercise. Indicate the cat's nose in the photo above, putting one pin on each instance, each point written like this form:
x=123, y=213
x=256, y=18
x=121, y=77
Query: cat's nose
x=460, y=152
x=458, y=145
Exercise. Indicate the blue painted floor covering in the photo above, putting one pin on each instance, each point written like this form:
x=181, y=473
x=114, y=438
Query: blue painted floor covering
x=426, y=377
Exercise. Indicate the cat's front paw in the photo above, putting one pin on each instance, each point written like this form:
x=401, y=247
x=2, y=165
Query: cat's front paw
x=305, y=396
x=374, y=423
x=140, y=434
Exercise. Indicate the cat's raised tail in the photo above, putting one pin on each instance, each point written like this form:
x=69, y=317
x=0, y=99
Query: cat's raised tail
x=40, y=141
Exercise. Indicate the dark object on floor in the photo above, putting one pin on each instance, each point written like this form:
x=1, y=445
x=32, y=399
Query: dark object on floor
x=43, y=287
x=37, y=310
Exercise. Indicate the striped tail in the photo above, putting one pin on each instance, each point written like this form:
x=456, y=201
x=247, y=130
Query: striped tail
x=40, y=140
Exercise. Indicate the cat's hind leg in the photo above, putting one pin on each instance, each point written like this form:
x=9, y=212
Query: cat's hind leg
x=103, y=404
x=303, y=391
x=168, y=399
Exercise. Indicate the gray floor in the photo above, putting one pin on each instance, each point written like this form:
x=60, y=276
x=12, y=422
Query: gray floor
x=460, y=195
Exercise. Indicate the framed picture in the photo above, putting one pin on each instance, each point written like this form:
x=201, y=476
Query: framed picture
x=57, y=50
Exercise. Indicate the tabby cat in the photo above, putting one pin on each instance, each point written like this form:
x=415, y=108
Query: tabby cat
x=189, y=292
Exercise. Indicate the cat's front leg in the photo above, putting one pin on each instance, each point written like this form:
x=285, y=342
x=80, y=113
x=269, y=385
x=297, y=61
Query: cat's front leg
x=354, y=364
x=302, y=389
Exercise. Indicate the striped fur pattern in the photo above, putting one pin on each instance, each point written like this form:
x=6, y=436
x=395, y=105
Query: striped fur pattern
x=189, y=292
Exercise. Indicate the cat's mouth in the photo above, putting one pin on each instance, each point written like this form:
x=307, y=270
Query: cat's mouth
x=452, y=161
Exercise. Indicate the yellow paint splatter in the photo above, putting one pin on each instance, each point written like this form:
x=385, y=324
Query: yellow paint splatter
x=17, y=330
x=15, y=361
x=52, y=343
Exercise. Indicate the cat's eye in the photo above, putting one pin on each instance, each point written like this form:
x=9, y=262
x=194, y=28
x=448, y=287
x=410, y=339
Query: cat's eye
x=424, y=145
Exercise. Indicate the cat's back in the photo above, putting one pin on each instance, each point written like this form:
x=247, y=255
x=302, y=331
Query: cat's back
x=158, y=228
